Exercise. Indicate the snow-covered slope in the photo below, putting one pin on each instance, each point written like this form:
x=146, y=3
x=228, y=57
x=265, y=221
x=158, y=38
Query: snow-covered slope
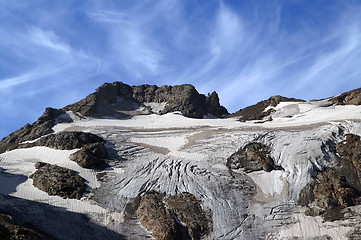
x=172, y=154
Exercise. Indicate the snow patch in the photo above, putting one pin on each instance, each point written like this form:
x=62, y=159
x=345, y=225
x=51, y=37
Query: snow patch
x=307, y=227
x=173, y=143
x=156, y=107
x=270, y=183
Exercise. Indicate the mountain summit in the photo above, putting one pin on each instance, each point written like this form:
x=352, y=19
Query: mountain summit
x=120, y=100
x=148, y=162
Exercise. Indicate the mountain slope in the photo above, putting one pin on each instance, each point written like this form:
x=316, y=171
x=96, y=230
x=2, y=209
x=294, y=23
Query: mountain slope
x=167, y=176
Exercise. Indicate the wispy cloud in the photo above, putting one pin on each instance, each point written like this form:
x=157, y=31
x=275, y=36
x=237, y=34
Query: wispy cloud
x=130, y=46
x=48, y=39
x=53, y=59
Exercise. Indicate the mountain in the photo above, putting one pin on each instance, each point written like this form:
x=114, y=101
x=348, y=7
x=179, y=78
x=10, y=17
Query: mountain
x=148, y=162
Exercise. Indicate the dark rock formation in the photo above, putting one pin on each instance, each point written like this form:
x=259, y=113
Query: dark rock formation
x=348, y=98
x=253, y=157
x=176, y=217
x=58, y=181
x=92, y=150
x=336, y=188
x=155, y=217
x=327, y=194
x=9, y=230
x=66, y=140
x=184, y=98
x=188, y=210
x=350, y=149
x=90, y=155
x=256, y=112
x=33, y=131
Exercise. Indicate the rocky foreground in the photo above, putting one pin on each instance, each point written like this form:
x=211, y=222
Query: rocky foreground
x=140, y=162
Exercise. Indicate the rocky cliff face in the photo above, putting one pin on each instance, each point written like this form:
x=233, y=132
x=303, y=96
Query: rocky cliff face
x=33, y=131
x=183, y=98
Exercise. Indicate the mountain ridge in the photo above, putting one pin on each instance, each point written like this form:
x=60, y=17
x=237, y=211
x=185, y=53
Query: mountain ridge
x=278, y=169
x=107, y=94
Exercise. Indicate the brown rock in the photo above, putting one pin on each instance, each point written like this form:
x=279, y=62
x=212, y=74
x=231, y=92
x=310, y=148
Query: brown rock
x=256, y=112
x=351, y=150
x=66, y=140
x=329, y=192
x=183, y=98
x=59, y=181
x=90, y=155
x=175, y=217
x=253, y=157
x=155, y=217
x=348, y=98
x=188, y=210
x=33, y=131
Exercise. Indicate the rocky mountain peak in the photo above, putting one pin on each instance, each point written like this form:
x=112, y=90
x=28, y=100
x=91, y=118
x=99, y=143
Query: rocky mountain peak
x=348, y=98
x=257, y=111
x=184, y=98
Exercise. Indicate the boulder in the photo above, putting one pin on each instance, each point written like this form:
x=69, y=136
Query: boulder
x=253, y=157
x=188, y=210
x=173, y=217
x=90, y=155
x=58, y=181
x=156, y=218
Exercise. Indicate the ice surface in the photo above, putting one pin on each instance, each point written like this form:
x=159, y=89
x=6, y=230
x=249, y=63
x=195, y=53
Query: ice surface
x=156, y=107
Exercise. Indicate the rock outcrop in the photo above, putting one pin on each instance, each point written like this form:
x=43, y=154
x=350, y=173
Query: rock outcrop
x=334, y=189
x=90, y=155
x=348, y=98
x=66, y=140
x=175, y=217
x=253, y=157
x=58, y=181
x=188, y=210
x=33, y=131
x=350, y=149
x=10, y=230
x=183, y=98
x=257, y=111
x=92, y=150
x=328, y=194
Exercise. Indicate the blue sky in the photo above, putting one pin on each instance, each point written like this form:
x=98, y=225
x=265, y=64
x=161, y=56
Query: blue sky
x=53, y=53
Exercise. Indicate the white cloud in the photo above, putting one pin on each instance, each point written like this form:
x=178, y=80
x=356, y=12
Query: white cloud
x=48, y=39
x=130, y=46
x=53, y=59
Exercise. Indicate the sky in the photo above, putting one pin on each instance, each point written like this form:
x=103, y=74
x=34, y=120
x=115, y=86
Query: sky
x=54, y=53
